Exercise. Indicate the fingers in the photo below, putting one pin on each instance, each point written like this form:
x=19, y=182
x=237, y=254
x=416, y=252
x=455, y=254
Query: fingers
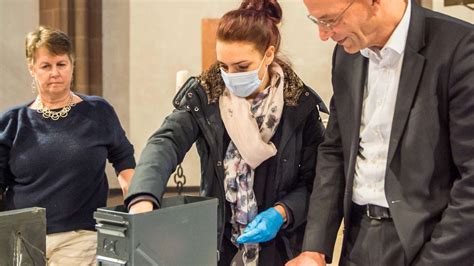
x=252, y=236
x=253, y=224
x=262, y=228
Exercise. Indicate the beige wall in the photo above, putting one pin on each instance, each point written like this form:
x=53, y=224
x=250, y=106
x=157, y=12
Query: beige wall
x=165, y=37
x=17, y=18
x=116, y=64
x=460, y=12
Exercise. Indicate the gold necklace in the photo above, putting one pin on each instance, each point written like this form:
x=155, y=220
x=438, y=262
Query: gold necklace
x=55, y=115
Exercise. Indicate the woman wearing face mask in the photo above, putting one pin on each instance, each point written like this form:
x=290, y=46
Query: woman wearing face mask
x=257, y=129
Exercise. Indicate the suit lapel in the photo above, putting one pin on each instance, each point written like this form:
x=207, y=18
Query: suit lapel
x=357, y=74
x=410, y=76
x=412, y=69
x=358, y=77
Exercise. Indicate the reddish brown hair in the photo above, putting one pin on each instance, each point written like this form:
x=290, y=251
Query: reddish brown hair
x=255, y=22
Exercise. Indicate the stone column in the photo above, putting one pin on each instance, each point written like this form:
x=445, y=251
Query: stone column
x=82, y=21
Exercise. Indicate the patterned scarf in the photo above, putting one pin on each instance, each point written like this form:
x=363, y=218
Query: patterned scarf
x=250, y=125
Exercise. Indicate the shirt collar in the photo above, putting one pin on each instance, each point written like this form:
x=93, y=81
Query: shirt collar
x=398, y=39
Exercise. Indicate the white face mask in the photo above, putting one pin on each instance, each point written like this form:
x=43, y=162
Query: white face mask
x=243, y=84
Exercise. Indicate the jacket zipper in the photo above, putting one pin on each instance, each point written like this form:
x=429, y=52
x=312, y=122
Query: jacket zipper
x=216, y=169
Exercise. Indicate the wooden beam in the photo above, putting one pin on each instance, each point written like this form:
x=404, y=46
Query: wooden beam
x=208, y=41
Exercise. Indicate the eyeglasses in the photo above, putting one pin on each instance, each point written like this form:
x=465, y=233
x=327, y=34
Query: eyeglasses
x=328, y=24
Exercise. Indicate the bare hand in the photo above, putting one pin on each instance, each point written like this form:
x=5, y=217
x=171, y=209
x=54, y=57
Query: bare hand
x=141, y=207
x=124, y=179
x=308, y=259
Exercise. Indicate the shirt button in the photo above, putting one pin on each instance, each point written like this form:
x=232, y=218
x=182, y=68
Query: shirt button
x=285, y=160
x=219, y=163
x=306, y=94
x=190, y=94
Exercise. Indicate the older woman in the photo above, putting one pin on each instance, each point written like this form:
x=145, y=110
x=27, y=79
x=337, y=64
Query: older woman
x=53, y=151
x=257, y=128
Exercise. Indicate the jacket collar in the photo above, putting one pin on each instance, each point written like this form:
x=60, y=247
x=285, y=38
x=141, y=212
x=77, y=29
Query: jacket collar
x=416, y=31
x=213, y=84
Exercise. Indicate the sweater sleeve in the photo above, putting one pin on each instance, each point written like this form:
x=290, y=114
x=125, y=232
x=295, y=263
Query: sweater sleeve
x=7, y=124
x=120, y=152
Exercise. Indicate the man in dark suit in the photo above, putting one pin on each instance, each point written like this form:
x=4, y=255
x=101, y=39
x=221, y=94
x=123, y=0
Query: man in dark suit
x=397, y=162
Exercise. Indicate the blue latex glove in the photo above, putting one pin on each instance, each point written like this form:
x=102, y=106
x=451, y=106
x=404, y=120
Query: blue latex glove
x=263, y=228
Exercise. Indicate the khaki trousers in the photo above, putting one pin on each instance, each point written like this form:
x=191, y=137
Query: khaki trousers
x=71, y=248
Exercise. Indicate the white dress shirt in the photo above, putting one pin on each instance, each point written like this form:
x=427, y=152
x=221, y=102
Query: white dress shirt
x=377, y=114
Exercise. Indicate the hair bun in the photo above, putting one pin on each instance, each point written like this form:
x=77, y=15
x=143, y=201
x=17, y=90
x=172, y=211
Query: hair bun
x=270, y=8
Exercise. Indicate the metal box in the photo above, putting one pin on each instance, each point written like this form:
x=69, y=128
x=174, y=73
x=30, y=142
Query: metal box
x=182, y=232
x=23, y=237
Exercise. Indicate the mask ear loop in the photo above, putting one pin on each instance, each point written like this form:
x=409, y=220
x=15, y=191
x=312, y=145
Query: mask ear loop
x=265, y=73
x=263, y=59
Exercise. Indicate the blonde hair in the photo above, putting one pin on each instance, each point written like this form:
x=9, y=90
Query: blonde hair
x=56, y=41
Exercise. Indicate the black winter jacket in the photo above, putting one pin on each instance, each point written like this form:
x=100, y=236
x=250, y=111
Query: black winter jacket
x=196, y=119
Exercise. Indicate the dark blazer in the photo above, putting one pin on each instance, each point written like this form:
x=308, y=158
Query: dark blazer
x=429, y=181
x=197, y=119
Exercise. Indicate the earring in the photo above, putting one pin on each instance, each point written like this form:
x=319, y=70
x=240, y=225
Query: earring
x=33, y=86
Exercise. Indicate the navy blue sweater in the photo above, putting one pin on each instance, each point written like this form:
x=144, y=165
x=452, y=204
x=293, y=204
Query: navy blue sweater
x=60, y=165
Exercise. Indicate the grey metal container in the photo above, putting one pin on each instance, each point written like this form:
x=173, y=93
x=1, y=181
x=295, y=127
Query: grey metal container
x=182, y=232
x=23, y=237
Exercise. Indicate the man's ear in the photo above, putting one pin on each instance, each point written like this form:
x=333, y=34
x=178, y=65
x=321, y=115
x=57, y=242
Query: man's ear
x=377, y=3
x=376, y=6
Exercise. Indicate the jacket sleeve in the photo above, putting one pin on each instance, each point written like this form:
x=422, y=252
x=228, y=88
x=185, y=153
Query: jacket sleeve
x=452, y=241
x=326, y=202
x=164, y=150
x=296, y=201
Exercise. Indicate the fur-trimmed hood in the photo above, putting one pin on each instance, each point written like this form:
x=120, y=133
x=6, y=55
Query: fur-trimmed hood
x=213, y=84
